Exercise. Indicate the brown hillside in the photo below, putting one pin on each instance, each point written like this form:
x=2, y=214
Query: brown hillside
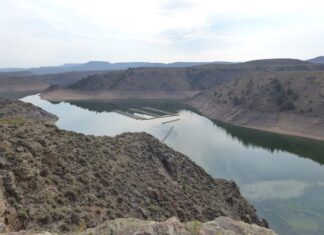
x=134, y=82
x=286, y=101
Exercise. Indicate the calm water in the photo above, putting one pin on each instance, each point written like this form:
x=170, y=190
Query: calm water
x=282, y=176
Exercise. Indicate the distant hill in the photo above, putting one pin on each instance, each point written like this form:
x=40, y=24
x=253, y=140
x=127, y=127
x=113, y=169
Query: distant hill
x=175, y=83
x=290, y=102
x=193, y=78
x=107, y=66
x=317, y=60
x=277, y=62
x=100, y=65
x=16, y=85
x=19, y=84
x=280, y=64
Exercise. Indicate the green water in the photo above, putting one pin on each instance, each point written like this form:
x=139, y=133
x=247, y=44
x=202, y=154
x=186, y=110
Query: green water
x=282, y=176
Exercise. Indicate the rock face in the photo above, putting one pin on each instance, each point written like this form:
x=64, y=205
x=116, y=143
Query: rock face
x=172, y=226
x=57, y=180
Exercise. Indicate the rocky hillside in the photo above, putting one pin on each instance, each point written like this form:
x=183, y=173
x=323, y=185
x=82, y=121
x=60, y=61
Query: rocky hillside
x=317, y=60
x=16, y=85
x=58, y=180
x=145, y=82
x=194, y=78
x=287, y=102
x=19, y=83
x=172, y=226
x=152, y=79
x=11, y=109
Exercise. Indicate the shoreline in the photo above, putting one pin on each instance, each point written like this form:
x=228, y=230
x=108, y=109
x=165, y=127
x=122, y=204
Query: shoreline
x=285, y=132
x=279, y=123
x=273, y=126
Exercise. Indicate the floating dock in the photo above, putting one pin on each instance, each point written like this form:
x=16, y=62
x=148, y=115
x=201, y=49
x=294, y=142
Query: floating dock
x=130, y=115
x=147, y=111
x=144, y=112
x=161, y=111
x=171, y=121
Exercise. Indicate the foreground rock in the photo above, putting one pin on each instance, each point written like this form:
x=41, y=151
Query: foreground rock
x=221, y=225
x=57, y=180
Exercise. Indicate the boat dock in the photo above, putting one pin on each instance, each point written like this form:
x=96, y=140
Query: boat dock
x=144, y=112
x=130, y=115
x=161, y=111
x=150, y=112
x=171, y=121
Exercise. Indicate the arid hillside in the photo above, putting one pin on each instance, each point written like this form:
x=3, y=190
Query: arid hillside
x=57, y=180
x=288, y=102
x=146, y=82
x=152, y=79
x=317, y=60
x=20, y=83
x=193, y=78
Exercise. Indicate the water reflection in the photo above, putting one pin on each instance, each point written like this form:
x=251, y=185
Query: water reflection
x=101, y=106
x=303, y=147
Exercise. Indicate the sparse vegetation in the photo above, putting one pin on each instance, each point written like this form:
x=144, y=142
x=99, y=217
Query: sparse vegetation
x=63, y=181
x=259, y=99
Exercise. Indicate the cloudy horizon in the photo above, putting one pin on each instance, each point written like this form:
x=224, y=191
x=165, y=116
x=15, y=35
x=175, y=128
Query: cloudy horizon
x=44, y=32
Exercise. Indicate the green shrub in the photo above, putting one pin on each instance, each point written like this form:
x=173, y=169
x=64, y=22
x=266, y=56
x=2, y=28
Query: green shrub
x=22, y=215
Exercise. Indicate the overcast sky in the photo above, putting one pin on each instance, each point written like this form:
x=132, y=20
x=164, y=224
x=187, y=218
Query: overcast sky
x=53, y=32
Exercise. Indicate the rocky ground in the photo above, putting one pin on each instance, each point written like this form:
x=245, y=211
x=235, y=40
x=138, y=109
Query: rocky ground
x=62, y=181
x=172, y=226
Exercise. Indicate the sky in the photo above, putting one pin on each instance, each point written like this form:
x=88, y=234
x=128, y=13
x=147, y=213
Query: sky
x=53, y=32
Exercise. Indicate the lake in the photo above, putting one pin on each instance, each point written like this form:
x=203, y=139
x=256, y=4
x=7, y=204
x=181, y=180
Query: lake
x=282, y=176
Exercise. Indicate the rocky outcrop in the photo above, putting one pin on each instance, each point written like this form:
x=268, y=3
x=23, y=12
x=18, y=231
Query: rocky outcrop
x=57, y=180
x=13, y=109
x=172, y=226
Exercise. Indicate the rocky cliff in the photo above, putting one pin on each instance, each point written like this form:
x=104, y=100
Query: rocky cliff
x=57, y=180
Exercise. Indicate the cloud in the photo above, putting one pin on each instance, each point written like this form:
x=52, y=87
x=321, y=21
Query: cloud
x=161, y=30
